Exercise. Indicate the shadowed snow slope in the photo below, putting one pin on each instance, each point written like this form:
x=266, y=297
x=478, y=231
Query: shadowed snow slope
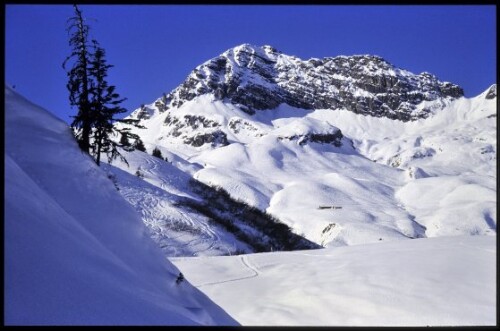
x=446, y=281
x=76, y=253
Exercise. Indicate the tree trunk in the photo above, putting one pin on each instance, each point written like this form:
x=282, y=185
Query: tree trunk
x=99, y=147
x=84, y=98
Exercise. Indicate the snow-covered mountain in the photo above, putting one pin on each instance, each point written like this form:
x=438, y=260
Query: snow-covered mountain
x=344, y=150
x=76, y=253
x=259, y=78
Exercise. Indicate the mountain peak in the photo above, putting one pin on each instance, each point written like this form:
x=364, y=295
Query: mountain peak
x=246, y=47
x=260, y=77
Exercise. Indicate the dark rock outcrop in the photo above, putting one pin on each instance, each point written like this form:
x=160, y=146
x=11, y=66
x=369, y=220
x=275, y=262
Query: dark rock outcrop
x=322, y=138
x=216, y=139
x=187, y=127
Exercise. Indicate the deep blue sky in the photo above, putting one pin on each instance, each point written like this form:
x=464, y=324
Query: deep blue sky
x=154, y=48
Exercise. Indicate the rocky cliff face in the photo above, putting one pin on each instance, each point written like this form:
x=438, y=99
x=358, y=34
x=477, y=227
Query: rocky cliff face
x=259, y=78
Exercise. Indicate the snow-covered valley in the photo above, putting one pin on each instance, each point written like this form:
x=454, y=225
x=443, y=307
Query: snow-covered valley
x=446, y=281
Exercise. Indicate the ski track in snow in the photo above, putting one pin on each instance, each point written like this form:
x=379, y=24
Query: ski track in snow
x=161, y=218
x=244, y=261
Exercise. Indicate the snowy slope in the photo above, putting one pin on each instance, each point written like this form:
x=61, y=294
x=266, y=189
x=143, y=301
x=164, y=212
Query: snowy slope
x=156, y=196
x=447, y=281
x=188, y=218
x=380, y=172
x=76, y=253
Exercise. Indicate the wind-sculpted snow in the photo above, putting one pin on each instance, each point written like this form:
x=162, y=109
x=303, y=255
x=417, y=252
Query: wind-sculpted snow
x=76, y=253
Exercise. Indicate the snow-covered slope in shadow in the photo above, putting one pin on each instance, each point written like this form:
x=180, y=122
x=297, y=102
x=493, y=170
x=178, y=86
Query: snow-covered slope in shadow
x=76, y=253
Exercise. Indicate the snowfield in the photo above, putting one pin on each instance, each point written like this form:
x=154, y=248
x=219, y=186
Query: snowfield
x=76, y=253
x=446, y=281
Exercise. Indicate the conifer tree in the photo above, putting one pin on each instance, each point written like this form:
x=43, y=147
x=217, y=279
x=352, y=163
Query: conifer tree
x=78, y=78
x=97, y=101
x=157, y=153
x=105, y=105
x=139, y=145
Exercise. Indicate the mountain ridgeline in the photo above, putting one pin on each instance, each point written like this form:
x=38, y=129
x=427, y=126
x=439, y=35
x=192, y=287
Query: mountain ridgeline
x=257, y=78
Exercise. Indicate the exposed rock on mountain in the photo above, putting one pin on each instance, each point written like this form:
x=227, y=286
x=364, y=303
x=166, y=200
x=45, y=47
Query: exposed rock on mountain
x=258, y=78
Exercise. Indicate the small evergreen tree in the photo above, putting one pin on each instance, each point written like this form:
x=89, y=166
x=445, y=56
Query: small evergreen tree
x=124, y=142
x=139, y=145
x=157, y=153
x=180, y=278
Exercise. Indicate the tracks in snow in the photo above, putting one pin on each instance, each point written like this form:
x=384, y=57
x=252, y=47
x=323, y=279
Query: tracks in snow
x=246, y=263
x=244, y=260
x=178, y=233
